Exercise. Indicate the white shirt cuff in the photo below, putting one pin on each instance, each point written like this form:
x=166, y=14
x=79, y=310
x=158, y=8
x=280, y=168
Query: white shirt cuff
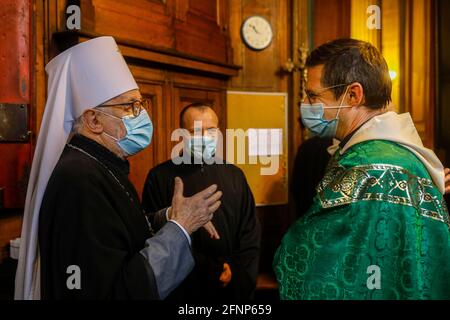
x=179, y=225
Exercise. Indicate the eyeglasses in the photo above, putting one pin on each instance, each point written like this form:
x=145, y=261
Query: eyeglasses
x=210, y=132
x=312, y=95
x=136, y=106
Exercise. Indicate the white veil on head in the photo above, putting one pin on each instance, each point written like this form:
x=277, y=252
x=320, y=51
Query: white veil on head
x=80, y=78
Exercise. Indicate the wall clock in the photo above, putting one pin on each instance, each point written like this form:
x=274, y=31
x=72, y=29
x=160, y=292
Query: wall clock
x=256, y=32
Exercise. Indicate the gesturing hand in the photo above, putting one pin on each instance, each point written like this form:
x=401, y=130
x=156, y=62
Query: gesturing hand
x=209, y=227
x=194, y=212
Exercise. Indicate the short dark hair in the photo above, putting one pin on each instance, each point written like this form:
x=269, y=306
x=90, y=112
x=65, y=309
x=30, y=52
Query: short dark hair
x=201, y=106
x=348, y=60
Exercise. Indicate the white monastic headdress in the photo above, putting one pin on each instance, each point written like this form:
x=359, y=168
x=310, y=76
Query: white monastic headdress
x=80, y=78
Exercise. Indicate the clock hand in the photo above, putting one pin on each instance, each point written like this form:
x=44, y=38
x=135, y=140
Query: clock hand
x=253, y=27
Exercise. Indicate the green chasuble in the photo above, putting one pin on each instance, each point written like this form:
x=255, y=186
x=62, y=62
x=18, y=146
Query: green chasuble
x=378, y=229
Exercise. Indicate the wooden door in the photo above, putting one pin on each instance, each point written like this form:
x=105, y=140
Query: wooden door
x=169, y=93
x=141, y=163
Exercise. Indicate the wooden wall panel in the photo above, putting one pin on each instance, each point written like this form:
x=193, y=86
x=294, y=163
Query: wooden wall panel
x=154, y=86
x=141, y=163
x=198, y=32
x=261, y=69
x=185, y=95
x=10, y=227
x=194, y=28
x=144, y=21
x=169, y=93
x=406, y=40
x=391, y=45
x=331, y=20
x=205, y=8
x=49, y=17
x=359, y=17
x=418, y=68
x=262, y=72
x=443, y=82
x=302, y=44
x=15, y=166
x=15, y=51
x=16, y=87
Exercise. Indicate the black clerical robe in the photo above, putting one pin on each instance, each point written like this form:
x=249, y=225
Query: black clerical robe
x=309, y=168
x=91, y=221
x=235, y=222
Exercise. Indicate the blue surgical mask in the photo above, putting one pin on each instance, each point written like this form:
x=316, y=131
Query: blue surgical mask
x=139, y=132
x=202, y=147
x=312, y=118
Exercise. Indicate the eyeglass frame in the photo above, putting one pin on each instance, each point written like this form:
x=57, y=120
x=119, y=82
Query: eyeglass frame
x=212, y=132
x=132, y=103
x=323, y=90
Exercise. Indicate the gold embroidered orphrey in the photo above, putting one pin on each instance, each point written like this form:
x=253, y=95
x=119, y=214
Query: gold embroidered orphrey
x=381, y=182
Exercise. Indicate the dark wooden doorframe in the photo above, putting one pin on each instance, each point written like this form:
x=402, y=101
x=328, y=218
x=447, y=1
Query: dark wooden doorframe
x=442, y=34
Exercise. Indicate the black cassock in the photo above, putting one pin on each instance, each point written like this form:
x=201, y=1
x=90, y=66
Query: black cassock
x=91, y=218
x=235, y=221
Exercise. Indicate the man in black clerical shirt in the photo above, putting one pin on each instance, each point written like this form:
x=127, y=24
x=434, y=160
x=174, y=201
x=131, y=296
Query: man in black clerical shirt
x=226, y=266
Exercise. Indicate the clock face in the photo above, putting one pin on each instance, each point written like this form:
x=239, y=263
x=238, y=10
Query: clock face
x=257, y=32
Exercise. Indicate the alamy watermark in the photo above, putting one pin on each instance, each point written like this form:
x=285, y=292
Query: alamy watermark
x=374, y=280
x=74, y=279
x=251, y=146
x=374, y=19
x=73, y=21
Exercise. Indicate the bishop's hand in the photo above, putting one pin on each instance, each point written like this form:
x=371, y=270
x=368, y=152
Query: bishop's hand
x=209, y=227
x=196, y=211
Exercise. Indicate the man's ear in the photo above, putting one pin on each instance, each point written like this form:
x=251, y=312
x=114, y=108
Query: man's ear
x=355, y=94
x=91, y=121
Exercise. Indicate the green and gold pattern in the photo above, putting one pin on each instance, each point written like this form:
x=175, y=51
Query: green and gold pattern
x=376, y=206
x=381, y=182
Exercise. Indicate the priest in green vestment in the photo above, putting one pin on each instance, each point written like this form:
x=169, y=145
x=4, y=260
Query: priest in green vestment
x=378, y=227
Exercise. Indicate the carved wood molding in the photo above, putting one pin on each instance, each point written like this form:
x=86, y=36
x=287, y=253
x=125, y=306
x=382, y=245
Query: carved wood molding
x=148, y=54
